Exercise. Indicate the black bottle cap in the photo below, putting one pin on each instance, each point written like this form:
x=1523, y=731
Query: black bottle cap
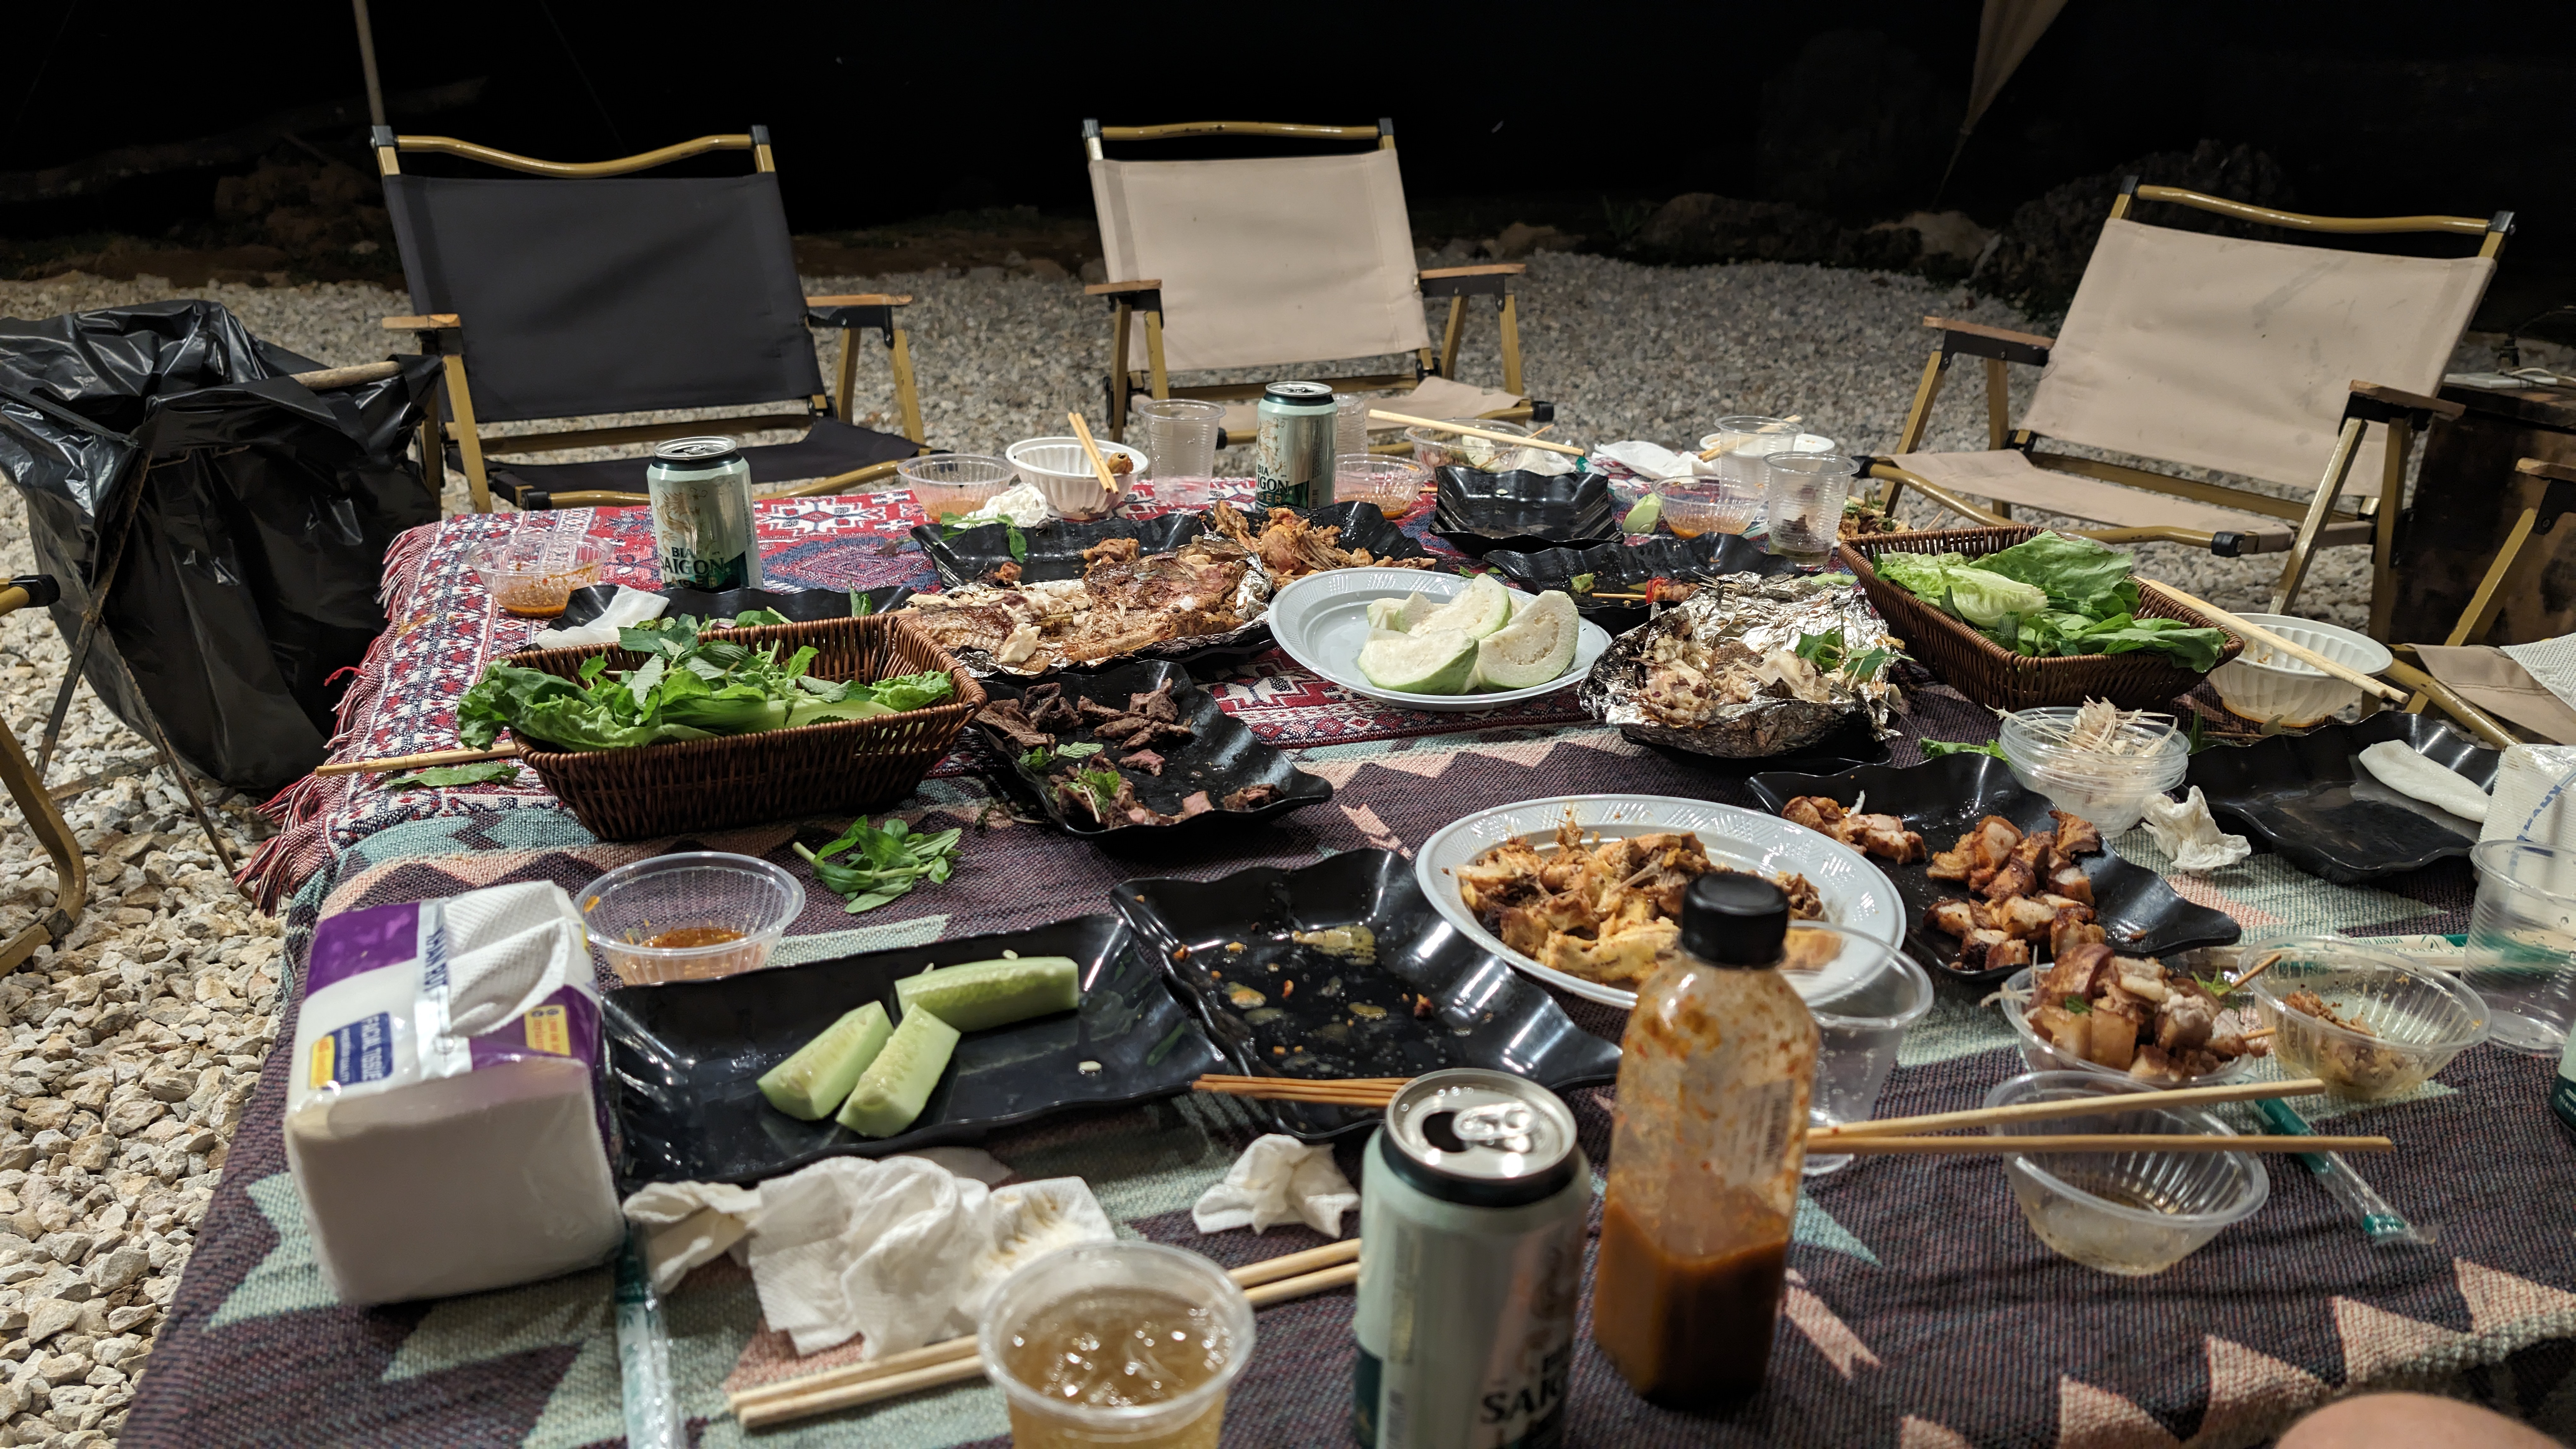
x=1735, y=920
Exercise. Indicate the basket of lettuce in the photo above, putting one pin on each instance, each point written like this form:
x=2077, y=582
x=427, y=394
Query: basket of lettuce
x=2018, y=617
x=676, y=729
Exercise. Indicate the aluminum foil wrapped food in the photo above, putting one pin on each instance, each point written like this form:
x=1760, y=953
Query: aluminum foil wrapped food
x=1719, y=673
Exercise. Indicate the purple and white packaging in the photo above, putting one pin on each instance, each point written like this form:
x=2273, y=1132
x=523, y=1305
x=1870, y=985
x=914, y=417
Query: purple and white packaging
x=443, y=1117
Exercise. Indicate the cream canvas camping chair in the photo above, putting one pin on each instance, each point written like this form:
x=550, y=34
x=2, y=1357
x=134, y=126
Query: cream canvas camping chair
x=2304, y=366
x=2476, y=683
x=586, y=289
x=1279, y=262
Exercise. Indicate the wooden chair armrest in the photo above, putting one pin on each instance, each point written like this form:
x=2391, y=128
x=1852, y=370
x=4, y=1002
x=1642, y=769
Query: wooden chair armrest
x=862, y=299
x=434, y=322
x=1994, y=334
x=2539, y=468
x=1112, y=289
x=2393, y=397
x=1492, y=269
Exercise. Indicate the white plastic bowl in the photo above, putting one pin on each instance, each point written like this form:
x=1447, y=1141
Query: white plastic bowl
x=2263, y=684
x=1062, y=471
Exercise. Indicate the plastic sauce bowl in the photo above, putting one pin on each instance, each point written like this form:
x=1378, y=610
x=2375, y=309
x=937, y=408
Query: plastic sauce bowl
x=696, y=891
x=2131, y=1213
x=2419, y=1017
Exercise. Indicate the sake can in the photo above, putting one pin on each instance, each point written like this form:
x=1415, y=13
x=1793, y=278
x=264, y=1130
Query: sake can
x=1292, y=458
x=702, y=528
x=1472, y=1203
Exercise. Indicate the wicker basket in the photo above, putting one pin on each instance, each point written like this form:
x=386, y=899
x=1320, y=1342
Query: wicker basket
x=1990, y=674
x=840, y=768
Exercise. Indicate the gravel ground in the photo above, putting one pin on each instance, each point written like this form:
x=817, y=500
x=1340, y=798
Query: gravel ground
x=130, y=1050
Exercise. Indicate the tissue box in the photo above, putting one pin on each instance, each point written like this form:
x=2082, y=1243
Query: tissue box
x=443, y=1117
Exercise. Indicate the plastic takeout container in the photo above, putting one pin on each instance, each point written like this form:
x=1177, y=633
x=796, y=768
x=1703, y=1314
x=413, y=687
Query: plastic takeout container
x=627, y=909
x=2044, y=1055
x=948, y=484
x=533, y=574
x=2109, y=790
x=2265, y=684
x=2128, y=1213
x=1062, y=471
x=1395, y=485
x=1446, y=450
x=2419, y=1016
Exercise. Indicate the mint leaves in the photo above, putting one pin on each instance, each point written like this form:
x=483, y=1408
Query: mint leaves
x=882, y=864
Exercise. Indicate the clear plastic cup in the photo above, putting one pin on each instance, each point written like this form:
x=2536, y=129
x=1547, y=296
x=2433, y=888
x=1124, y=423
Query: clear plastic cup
x=2522, y=943
x=1062, y=1394
x=1351, y=422
x=1857, y=1036
x=1178, y=435
x=1804, y=503
x=948, y=484
x=2132, y=1213
x=1744, y=443
x=1707, y=503
x=689, y=916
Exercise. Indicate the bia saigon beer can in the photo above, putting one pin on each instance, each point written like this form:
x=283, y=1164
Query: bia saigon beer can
x=1472, y=1203
x=1292, y=461
x=702, y=529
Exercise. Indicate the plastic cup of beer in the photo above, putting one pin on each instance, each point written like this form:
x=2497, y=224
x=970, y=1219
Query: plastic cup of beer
x=1131, y=1344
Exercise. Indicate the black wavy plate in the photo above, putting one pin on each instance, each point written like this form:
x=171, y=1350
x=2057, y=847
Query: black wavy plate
x=1224, y=756
x=1054, y=548
x=1478, y=512
x=1851, y=745
x=1483, y=1013
x=1619, y=567
x=803, y=605
x=2307, y=798
x=1942, y=798
x=1363, y=525
x=685, y=1058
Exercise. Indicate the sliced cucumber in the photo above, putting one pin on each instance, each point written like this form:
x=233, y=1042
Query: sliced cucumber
x=1478, y=610
x=1426, y=661
x=993, y=993
x=814, y=1082
x=1535, y=648
x=896, y=1086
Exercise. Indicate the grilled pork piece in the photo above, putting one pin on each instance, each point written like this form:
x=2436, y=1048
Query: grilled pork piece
x=1884, y=836
x=2076, y=836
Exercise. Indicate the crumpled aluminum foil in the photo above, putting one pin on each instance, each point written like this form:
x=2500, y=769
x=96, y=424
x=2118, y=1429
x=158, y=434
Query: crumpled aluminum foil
x=1251, y=600
x=1767, y=614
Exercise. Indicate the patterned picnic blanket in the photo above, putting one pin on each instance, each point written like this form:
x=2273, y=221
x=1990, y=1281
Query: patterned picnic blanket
x=1923, y=1313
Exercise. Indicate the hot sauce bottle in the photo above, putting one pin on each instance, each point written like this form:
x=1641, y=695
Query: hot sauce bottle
x=1704, y=1168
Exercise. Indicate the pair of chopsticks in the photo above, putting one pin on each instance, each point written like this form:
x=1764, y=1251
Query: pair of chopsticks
x=1788, y=424
x=1274, y=1280
x=2300, y=652
x=1516, y=439
x=1099, y=464
x=391, y=763
x=1893, y=1135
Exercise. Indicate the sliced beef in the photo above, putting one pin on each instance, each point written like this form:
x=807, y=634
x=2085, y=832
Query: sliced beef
x=1250, y=797
x=1007, y=717
x=1156, y=704
x=1145, y=760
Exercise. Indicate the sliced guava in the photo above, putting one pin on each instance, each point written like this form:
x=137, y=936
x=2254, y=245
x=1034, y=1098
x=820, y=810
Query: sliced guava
x=1426, y=661
x=1535, y=648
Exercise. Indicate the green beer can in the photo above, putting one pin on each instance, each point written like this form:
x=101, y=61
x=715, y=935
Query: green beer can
x=1292, y=463
x=702, y=529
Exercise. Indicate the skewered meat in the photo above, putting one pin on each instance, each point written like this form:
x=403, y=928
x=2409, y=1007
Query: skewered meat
x=1884, y=836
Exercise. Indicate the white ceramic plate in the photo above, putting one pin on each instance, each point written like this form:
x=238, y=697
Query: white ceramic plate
x=1321, y=621
x=1857, y=897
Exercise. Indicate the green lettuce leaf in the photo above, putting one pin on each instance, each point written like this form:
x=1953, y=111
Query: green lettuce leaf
x=1925, y=575
x=1982, y=598
x=2081, y=575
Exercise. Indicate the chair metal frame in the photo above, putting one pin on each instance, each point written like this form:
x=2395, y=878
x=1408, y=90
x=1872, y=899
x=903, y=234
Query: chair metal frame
x=442, y=333
x=2322, y=523
x=1143, y=298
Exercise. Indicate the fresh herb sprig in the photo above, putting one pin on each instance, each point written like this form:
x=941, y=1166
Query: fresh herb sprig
x=1831, y=653
x=883, y=863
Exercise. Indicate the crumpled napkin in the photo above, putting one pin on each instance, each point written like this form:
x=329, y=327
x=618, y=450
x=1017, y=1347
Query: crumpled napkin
x=2190, y=834
x=1650, y=461
x=900, y=1251
x=1278, y=1179
x=631, y=606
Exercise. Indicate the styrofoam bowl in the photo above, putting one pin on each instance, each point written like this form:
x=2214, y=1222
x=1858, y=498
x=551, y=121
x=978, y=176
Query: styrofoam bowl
x=1062, y=471
x=2265, y=684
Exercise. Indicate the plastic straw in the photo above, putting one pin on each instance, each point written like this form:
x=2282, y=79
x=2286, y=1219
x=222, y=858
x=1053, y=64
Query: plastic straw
x=644, y=1357
x=2384, y=1225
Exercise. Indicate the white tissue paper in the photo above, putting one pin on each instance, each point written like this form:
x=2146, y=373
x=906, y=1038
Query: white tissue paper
x=1021, y=504
x=900, y=1252
x=631, y=606
x=2190, y=834
x=2523, y=807
x=441, y=1118
x=1651, y=461
x=1278, y=1179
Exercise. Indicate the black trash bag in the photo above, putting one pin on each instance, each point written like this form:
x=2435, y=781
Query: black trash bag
x=249, y=576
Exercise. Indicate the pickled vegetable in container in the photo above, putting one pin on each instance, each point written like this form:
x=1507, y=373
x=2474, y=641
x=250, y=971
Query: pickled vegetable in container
x=1714, y=1075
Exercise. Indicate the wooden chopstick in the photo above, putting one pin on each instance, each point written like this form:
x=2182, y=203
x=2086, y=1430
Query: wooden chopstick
x=2301, y=652
x=2103, y=1105
x=1437, y=426
x=1099, y=464
x=955, y=1360
x=510, y=751
x=1783, y=425
x=2096, y=1142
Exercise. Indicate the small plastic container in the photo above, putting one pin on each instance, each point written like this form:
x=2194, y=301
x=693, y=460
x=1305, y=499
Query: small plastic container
x=948, y=484
x=721, y=915
x=2419, y=1016
x=1062, y=471
x=1444, y=450
x=2044, y=1055
x=1395, y=485
x=533, y=575
x=2109, y=790
x=2264, y=684
x=1707, y=503
x=2132, y=1214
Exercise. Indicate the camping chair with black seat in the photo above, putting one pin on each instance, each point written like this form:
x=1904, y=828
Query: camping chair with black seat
x=1277, y=262
x=585, y=289
x=2307, y=367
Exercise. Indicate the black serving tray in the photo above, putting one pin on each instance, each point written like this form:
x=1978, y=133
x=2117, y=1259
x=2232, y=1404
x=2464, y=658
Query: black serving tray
x=1054, y=548
x=1618, y=567
x=1222, y=757
x=685, y=1057
x=803, y=605
x=1942, y=798
x=1483, y=1013
x=2310, y=800
x=1477, y=512
x=1363, y=525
